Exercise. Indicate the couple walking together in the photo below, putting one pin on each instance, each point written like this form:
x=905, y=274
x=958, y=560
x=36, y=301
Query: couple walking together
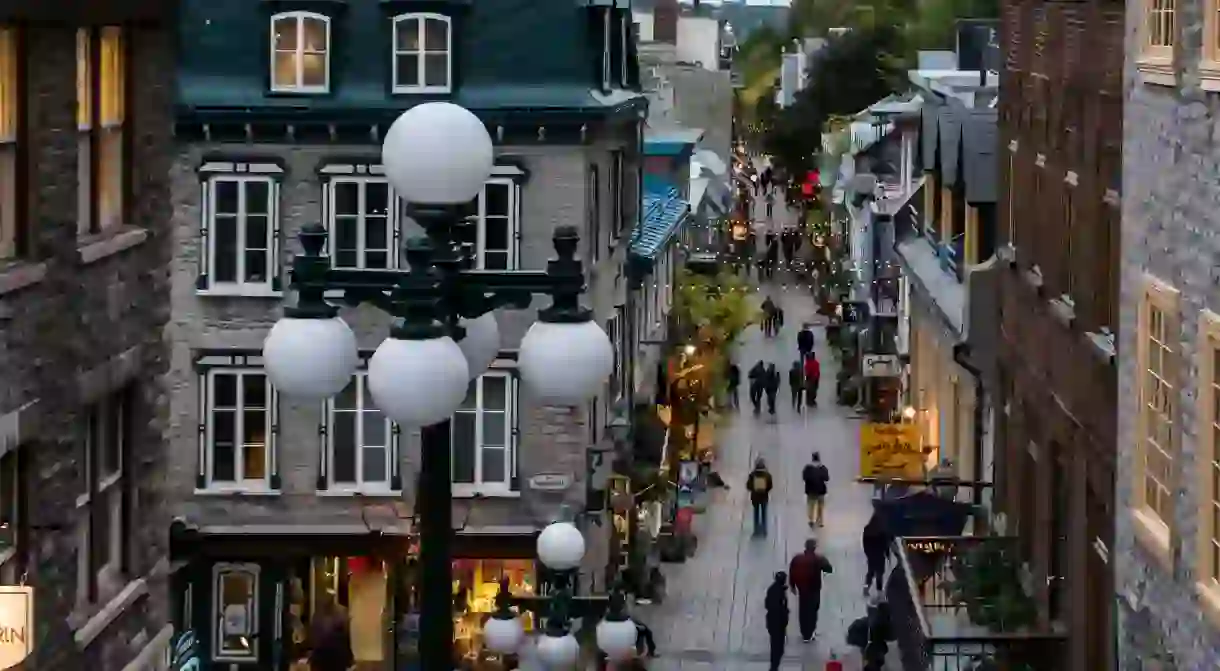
x=804, y=578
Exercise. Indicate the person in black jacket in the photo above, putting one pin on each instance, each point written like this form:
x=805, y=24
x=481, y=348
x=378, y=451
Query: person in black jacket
x=759, y=484
x=876, y=541
x=816, y=476
x=771, y=388
x=758, y=382
x=776, y=605
x=804, y=341
x=733, y=376
x=796, y=382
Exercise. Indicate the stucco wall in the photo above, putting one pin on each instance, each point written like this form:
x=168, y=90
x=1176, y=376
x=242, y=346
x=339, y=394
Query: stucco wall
x=1169, y=220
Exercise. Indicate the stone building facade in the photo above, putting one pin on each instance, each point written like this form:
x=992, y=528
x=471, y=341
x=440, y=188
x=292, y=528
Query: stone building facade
x=1060, y=161
x=1167, y=528
x=84, y=294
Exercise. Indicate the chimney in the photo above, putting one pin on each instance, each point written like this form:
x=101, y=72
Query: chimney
x=665, y=22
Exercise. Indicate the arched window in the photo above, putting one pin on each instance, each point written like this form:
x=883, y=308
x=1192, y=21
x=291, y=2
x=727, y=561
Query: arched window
x=423, y=53
x=300, y=52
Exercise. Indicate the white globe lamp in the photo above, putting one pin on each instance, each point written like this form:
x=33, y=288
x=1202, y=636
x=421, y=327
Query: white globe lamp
x=310, y=358
x=558, y=652
x=418, y=382
x=616, y=638
x=565, y=363
x=481, y=344
x=561, y=546
x=437, y=153
x=503, y=634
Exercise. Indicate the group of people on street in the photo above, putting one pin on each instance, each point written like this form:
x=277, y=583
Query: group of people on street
x=772, y=319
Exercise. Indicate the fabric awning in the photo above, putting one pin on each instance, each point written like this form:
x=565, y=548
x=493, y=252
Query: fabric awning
x=664, y=210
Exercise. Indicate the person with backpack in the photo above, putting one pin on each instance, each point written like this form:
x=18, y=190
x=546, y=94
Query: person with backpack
x=813, y=379
x=759, y=484
x=816, y=477
x=772, y=388
x=758, y=382
x=796, y=382
x=806, y=571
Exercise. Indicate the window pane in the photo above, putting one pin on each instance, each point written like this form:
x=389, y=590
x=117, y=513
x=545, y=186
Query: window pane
x=347, y=242
x=471, y=402
x=313, y=70
x=347, y=198
x=377, y=198
x=284, y=71
x=376, y=234
x=408, y=70
x=236, y=614
x=256, y=266
x=406, y=37
x=374, y=465
x=436, y=70
x=254, y=437
x=496, y=198
x=376, y=260
x=495, y=260
x=313, y=33
x=224, y=390
x=226, y=197
x=343, y=468
x=495, y=392
x=494, y=429
x=463, y=447
x=286, y=35
x=224, y=249
x=224, y=449
x=116, y=434
x=493, y=465
x=99, y=543
x=436, y=35
x=496, y=233
x=346, y=399
x=258, y=197
x=374, y=425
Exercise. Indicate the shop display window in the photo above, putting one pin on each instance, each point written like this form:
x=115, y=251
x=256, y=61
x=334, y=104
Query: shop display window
x=476, y=582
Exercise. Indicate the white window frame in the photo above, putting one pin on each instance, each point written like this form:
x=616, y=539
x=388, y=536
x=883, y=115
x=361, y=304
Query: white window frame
x=252, y=615
x=618, y=174
x=392, y=211
x=512, y=407
x=299, y=18
x=266, y=288
x=514, y=222
x=109, y=493
x=607, y=36
x=421, y=87
x=624, y=41
x=363, y=404
x=240, y=484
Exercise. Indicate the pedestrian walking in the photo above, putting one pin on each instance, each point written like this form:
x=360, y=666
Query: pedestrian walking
x=330, y=639
x=776, y=605
x=807, y=569
x=734, y=381
x=796, y=383
x=872, y=633
x=645, y=643
x=813, y=378
x=875, y=540
x=772, y=254
x=772, y=388
x=758, y=382
x=816, y=477
x=768, y=310
x=759, y=485
x=770, y=200
x=805, y=340
x=779, y=319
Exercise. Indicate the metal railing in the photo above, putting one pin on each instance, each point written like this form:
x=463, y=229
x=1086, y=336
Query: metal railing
x=947, y=619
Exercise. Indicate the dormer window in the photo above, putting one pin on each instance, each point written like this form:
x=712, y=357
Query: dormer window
x=607, y=37
x=423, y=53
x=300, y=53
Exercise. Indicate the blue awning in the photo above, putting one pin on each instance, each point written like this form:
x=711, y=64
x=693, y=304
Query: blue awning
x=662, y=213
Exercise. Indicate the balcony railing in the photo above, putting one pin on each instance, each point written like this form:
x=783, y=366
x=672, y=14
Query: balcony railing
x=957, y=605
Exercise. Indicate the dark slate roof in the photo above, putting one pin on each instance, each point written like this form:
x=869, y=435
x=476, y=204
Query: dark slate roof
x=664, y=209
x=979, y=156
x=950, y=135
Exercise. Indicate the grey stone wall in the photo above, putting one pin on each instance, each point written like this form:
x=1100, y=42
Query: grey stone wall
x=1170, y=218
x=552, y=439
x=91, y=325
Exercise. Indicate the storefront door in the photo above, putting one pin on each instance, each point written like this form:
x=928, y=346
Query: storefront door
x=234, y=608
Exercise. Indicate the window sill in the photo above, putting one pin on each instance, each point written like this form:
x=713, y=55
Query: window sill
x=421, y=90
x=1152, y=534
x=1209, y=75
x=258, y=291
x=104, y=245
x=1209, y=602
x=215, y=491
x=1156, y=70
x=18, y=275
x=86, y=633
x=470, y=492
x=359, y=493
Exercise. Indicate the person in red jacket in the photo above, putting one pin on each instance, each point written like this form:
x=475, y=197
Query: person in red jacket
x=813, y=378
x=805, y=575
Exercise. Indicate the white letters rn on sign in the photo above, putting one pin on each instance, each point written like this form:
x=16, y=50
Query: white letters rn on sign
x=16, y=625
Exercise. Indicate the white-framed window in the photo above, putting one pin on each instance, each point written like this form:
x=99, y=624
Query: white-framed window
x=362, y=227
x=239, y=422
x=485, y=437
x=240, y=232
x=423, y=53
x=607, y=41
x=499, y=225
x=617, y=175
x=11, y=242
x=593, y=198
x=300, y=52
x=361, y=442
x=102, y=503
x=101, y=119
x=235, y=621
x=624, y=29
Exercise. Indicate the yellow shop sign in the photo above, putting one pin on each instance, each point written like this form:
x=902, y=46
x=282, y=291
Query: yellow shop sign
x=891, y=450
x=16, y=624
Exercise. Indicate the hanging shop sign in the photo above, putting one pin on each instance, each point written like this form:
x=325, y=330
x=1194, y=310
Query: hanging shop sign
x=550, y=482
x=890, y=450
x=854, y=312
x=16, y=624
x=880, y=365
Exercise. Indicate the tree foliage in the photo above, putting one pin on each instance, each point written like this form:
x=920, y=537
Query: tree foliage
x=715, y=310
